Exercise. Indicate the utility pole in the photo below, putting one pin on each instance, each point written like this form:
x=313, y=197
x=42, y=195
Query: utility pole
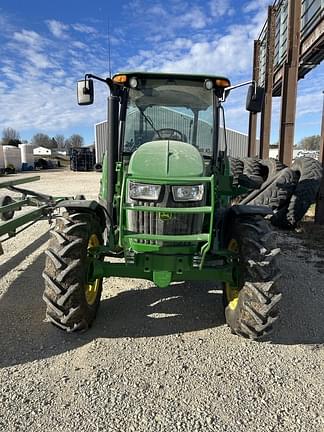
x=319, y=213
x=289, y=83
x=253, y=118
x=265, y=126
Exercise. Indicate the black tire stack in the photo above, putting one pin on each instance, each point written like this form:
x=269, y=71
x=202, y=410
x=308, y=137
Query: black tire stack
x=287, y=191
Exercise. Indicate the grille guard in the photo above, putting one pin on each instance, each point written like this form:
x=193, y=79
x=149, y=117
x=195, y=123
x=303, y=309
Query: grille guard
x=125, y=236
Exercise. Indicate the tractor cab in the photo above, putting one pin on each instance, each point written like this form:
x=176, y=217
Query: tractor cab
x=162, y=162
x=176, y=108
x=167, y=136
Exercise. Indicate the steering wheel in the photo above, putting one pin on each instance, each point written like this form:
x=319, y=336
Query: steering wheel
x=169, y=133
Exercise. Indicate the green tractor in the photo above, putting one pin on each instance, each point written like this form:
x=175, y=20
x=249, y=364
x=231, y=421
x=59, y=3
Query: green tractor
x=165, y=206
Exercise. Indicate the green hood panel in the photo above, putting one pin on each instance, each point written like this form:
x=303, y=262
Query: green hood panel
x=166, y=158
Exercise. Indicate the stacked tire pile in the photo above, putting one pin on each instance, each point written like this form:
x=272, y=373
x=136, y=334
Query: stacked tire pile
x=287, y=191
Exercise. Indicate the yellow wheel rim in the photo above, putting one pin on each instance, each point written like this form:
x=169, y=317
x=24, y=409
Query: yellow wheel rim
x=232, y=293
x=91, y=289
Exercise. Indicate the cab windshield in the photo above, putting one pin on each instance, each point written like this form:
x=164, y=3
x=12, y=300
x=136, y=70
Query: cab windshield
x=175, y=109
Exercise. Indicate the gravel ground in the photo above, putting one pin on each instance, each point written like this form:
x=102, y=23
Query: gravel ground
x=158, y=359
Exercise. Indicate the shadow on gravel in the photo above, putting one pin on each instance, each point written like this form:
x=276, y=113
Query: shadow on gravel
x=20, y=256
x=185, y=307
x=25, y=337
x=301, y=315
x=302, y=304
x=153, y=312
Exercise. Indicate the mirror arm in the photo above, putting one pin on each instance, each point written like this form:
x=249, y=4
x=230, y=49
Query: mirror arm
x=242, y=84
x=107, y=81
x=226, y=89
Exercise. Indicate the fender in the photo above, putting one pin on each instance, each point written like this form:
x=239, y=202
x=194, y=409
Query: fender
x=86, y=206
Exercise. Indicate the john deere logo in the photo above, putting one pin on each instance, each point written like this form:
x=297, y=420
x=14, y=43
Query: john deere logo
x=165, y=216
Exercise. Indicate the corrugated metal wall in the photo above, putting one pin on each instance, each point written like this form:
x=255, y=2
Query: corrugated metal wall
x=101, y=132
x=237, y=142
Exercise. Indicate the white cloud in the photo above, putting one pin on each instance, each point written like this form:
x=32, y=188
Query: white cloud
x=228, y=54
x=161, y=21
x=78, y=44
x=82, y=28
x=256, y=5
x=219, y=8
x=39, y=77
x=39, y=72
x=194, y=18
x=50, y=107
x=28, y=37
x=57, y=28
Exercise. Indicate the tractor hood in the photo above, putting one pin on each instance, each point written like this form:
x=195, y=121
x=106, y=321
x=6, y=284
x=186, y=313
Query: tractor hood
x=166, y=158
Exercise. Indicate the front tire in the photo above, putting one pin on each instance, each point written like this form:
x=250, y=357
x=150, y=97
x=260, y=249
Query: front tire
x=251, y=306
x=71, y=302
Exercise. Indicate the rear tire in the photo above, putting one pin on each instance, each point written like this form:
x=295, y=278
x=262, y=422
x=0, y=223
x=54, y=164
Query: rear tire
x=71, y=303
x=251, y=307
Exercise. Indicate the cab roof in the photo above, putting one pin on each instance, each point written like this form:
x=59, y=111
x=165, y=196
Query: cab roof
x=194, y=77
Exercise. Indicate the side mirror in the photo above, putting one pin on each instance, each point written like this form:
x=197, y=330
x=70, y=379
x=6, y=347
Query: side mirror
x=85, y=92
x=254, y=99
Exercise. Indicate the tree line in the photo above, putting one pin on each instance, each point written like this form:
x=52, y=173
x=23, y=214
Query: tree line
x=307, y=143
x=12, y=137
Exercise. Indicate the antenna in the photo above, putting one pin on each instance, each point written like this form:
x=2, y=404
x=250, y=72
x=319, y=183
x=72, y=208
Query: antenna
x=109, y=57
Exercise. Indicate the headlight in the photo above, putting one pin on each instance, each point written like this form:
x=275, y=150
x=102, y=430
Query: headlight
x=144, y=191
x=188, y=193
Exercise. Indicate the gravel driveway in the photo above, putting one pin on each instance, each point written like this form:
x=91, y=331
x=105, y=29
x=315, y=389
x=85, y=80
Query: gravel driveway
x=158, y=359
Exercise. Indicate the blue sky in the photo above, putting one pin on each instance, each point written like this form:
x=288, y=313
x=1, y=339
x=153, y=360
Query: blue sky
x=45, y=47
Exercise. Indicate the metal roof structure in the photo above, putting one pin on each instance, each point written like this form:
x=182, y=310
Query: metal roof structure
x=311, y=41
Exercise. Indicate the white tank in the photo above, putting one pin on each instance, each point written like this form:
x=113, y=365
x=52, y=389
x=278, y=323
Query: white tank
x=2, y=164
x=12, y=156
x=27, y=155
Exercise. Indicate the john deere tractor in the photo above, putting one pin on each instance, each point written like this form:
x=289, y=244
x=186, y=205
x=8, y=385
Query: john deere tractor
x=164, y=206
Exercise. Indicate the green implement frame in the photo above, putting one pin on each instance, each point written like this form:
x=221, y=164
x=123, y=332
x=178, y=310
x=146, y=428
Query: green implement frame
x=40, y=202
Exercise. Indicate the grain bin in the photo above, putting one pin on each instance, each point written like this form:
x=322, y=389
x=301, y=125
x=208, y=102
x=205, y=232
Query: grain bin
x=27, y=156
x=12, y=157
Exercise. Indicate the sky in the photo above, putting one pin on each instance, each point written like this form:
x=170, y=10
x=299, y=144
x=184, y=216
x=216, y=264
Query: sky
x=46, y=46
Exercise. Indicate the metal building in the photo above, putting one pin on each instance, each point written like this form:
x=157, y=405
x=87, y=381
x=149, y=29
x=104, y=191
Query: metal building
x=100, y=133
x=237, y=142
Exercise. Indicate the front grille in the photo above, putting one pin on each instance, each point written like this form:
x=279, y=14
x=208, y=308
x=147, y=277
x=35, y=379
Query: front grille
x=142, y=222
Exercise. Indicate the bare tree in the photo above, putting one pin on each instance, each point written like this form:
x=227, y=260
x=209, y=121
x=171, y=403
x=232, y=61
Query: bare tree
x=76, y=140
x=310, y=143
x=60, y=140
x=10, y=137
x=42, y=140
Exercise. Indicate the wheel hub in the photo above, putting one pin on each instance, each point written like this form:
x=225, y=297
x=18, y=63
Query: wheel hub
x=232, y=293
x=91, y=289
